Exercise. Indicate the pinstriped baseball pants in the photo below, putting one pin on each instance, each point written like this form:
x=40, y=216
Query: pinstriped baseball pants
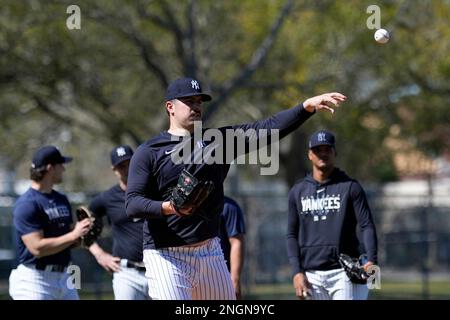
x=189, y=273
x=335, y=285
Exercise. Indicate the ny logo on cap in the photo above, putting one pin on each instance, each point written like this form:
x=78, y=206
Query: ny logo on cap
x=321, y=137
x=195, y=85
x=121, y=152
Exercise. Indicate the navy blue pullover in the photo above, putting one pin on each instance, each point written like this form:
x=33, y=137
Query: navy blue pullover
x=126, y=233
x=153, y=174
x=323, y=220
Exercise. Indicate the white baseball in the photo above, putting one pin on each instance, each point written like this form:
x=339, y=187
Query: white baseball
x=381, y=36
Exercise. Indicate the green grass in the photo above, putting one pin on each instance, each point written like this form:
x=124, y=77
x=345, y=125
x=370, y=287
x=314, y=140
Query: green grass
x=412, y=290
x=92, y=296
x=389, y=290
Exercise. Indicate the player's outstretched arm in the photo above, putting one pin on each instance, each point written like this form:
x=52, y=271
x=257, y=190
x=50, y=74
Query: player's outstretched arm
x=326, y=101
x=286, y=121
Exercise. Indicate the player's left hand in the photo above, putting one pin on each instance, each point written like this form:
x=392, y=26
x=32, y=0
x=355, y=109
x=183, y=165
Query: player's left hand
x=367, y=265
x=326, y=101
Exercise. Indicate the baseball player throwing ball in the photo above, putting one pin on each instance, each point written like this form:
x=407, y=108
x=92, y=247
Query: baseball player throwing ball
x=182, y=202
x=325, y=209
x=43, y=219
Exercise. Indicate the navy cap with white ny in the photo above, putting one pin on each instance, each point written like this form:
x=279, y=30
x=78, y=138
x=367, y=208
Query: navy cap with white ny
x=120, y=154
x=185, y=87
x=322, y=138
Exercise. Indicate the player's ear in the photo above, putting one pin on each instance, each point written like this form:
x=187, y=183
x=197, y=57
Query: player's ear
x=116, y=172
x=310, y=154
x=169, y=107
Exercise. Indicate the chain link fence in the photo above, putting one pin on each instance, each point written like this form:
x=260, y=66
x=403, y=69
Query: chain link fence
x=413, y=236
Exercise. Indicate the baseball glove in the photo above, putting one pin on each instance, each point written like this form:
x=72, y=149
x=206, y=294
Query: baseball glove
x=189, y=193
x=88, y=239
x=353, y=268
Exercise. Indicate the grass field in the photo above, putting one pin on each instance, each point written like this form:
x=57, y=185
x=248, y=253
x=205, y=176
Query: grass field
x=390, y=290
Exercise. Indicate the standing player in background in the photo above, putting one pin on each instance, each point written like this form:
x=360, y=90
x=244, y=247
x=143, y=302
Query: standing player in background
x=129, y=282
x=182, y=252
x=325, y=209
x=43, y=219
x=231, y=234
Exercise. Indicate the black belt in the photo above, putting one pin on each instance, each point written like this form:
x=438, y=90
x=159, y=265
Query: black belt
x=49, y=267
x=132, y=264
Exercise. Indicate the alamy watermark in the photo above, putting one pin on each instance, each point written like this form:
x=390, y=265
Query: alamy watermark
x=223, y=146
x=74, y=279
x=374, y=280
x=374, y=20
x=74, y=20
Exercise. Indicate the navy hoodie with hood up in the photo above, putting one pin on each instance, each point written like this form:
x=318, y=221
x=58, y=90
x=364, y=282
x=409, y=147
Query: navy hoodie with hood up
x=323, y=220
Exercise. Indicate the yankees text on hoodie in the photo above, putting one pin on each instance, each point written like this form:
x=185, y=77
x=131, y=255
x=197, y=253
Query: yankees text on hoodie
x=323, y=220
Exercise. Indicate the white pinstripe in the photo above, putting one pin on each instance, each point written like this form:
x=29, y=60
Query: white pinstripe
x=26, y=283
x=335, y=285
x=189, y=273
x=130, y=284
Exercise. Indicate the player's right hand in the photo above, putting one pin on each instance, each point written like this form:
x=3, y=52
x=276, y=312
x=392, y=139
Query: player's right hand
x=237, y=288
x=82, y=227
x=302, y=286
x=108, y=262
x=326, y=101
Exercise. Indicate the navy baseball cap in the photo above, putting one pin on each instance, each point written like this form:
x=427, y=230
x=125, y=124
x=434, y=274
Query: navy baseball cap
x=121, y=153
x=48, y=155
x=322, y=138
x=185, y=87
